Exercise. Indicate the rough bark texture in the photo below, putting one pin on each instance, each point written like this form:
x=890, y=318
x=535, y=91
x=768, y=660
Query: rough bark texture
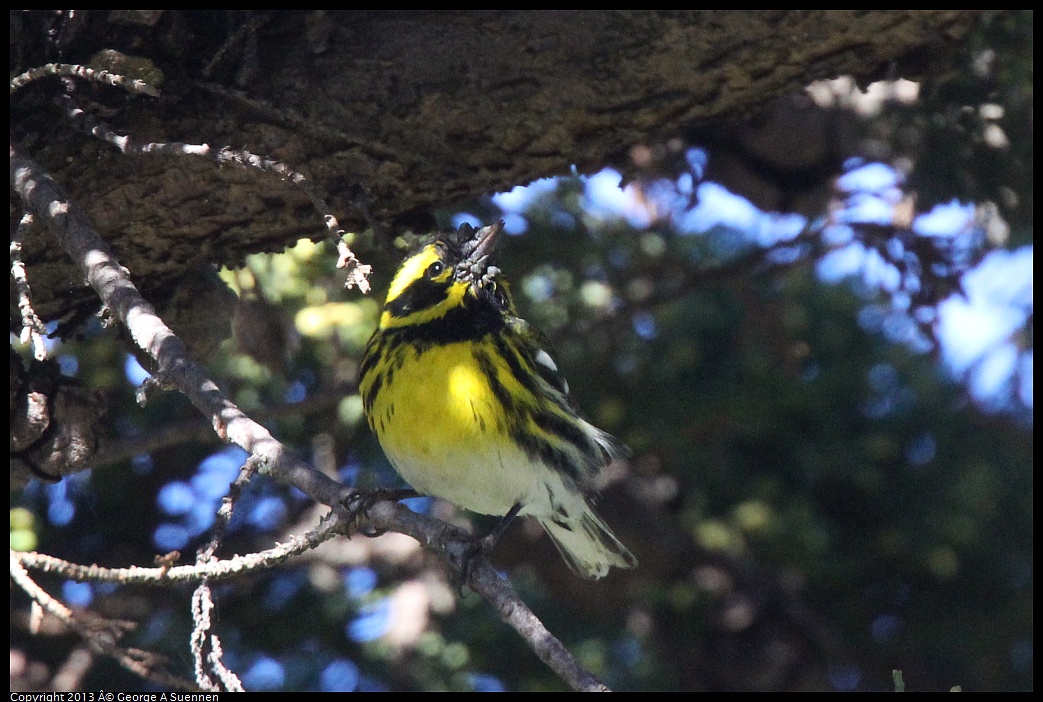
x=391, y=114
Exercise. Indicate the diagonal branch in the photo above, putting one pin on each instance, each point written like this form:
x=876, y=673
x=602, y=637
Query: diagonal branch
x=451, y=543
x=45, y=198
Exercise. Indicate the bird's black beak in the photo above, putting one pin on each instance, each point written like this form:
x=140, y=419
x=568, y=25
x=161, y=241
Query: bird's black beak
x=482, y=244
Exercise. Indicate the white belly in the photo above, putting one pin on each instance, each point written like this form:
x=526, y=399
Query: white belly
x=488, y=481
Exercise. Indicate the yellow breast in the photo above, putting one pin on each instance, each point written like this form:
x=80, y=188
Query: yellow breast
x=444, y=430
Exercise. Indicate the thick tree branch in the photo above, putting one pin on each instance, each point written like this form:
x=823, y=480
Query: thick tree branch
x=424, y=110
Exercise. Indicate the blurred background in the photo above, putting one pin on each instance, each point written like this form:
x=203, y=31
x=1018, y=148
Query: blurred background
x=814, y=331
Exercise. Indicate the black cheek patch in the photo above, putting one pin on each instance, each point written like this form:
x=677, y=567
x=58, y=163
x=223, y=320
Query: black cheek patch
x=420, y=295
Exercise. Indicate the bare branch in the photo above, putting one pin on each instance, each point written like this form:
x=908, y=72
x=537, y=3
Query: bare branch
x=247, y=28
x=111, y=281
x=74, y=70
x=451, y=544
x=206, y=650
x=33, y=330
x=357, y=272
x=100, y=637
x=213, y=570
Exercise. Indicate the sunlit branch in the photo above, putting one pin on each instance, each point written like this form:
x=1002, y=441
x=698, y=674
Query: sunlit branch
x=98, y=635
x=77, y=71
x=33, y=330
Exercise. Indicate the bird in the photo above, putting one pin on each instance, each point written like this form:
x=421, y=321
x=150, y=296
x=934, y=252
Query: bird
x=469, y=405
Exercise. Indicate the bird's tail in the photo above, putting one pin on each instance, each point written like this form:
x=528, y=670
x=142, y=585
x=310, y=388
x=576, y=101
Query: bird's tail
x=587, y=544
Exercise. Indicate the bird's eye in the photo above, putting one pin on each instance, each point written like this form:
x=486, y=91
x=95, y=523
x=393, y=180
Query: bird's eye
x=500, y=295
x=435, y=269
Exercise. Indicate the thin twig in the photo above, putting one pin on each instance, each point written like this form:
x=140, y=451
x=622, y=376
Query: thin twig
x=357, y=272
x=100, y=638
x=251, y=25
x=206, y=646
x=299, y=124
x=212, y=570
x=206, y=650
x=77, y=71
x=33, y=330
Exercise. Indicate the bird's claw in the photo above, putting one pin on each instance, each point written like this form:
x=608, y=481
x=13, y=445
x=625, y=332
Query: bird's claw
x=360, y=502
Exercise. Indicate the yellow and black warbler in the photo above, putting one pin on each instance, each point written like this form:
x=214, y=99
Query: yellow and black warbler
x=469, y=406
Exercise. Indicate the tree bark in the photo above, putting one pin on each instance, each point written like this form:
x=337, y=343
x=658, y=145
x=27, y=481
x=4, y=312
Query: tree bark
x=392, y=114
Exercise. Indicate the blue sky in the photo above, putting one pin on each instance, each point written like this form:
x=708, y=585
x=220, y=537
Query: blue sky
x=977, y=331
